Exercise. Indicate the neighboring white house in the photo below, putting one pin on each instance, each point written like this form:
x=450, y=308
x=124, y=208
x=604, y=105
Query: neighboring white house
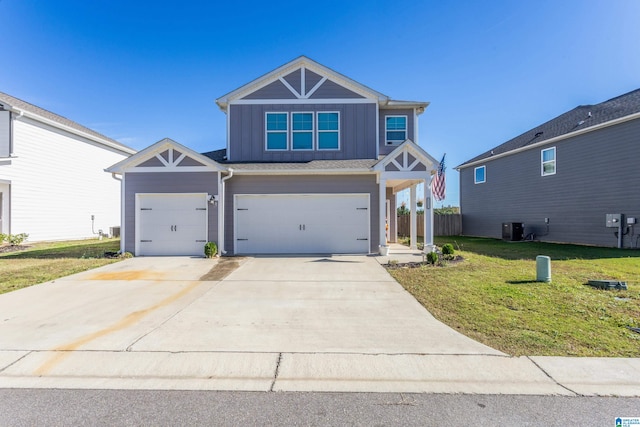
x=52, y=180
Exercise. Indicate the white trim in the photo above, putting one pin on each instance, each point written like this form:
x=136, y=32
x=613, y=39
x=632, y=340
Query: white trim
x=378, y=142
x=266, y=131
x=312, y=131
x=406, y=129
x=158, y=148
x=415, y=125
x=316, y=87
x=292, y=66
x=475, y=171
x=553, y=140
x=288, y=86
x=303, y=84
x=318, y=131
x=303, y=101
x=554, y=161
x=228, y=152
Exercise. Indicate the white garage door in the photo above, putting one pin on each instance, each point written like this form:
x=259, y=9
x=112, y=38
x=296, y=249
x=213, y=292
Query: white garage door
x=171, y=224
x=301, y=223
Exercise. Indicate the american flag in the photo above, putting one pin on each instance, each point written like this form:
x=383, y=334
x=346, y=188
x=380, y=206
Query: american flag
x=437, y=183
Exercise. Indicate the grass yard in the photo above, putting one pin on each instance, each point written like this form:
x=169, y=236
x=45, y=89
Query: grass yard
x=42, y=262
x=493, y=298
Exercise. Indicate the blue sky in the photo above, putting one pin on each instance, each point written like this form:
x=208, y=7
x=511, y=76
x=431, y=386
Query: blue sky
x=142, y=71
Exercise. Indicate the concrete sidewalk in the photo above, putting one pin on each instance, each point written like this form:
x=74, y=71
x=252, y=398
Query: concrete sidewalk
x=274, y=324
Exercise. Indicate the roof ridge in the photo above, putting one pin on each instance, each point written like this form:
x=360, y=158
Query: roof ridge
x=58, y=118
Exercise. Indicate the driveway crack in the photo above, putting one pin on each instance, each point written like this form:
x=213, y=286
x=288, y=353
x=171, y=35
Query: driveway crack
x=275, y=374
x=551, y=378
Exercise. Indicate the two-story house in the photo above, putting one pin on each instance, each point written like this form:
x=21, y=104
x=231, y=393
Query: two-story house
x=312, y=164
x=52, y=180
x=562, y=179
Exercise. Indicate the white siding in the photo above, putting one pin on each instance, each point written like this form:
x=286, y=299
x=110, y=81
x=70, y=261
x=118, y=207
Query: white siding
x=58, y=182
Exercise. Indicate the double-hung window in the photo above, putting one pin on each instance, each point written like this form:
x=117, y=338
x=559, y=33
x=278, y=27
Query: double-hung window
x=480, y=175
x=328, y=131
x=302, y=131
x=277, y=131
x=548, y=161
x=395, y=129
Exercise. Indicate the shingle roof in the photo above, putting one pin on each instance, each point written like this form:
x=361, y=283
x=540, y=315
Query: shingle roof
x=581, y=117
x=27, y=107
x=313, y=165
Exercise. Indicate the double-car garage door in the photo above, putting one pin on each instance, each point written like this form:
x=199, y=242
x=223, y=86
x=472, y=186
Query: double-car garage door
x=301, y=223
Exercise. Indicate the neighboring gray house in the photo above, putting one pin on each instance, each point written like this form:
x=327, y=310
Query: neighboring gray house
x=312, y=164
x=561, y=179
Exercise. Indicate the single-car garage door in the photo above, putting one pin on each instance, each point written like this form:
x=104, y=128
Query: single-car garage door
x=301, y=223
x=171, y=224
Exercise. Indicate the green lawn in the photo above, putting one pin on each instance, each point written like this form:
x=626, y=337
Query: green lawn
x=46, y=261
x=492, y=297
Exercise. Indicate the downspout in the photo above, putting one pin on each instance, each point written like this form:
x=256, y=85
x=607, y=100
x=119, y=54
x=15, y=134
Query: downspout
x=221, y=211
x=113, y=175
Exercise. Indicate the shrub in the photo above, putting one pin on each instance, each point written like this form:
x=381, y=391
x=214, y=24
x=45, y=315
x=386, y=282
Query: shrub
x=447, y=249
x=210, y=249
x=3, y=237
x=126, y=255
x=432, y=257
x=16, y=239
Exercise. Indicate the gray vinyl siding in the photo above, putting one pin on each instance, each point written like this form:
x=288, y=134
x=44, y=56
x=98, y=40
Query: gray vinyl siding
x=296, y=184
x=247, y=133
x=167, y=182
x=596, y=173
x=384, y=148
x=331, y=90
x=275, y=90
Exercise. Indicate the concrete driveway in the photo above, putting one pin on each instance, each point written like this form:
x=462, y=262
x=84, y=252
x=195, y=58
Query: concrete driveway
x=278, y=323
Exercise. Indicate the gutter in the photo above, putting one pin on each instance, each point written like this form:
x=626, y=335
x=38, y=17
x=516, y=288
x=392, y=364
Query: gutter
x=552, y=140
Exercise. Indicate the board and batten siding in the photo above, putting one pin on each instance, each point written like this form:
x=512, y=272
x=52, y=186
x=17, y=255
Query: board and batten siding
x=596, y=173
x=57, y=183
x=384, y=148
x=300, y=184
x=247, y=133
x=167, y=182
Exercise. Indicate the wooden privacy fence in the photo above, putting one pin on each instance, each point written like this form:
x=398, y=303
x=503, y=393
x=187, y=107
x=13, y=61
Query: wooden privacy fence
x=443, y=225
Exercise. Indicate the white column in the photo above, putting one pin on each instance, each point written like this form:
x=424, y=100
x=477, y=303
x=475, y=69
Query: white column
x=382, y=208
x=413, y=229
x=428, y=217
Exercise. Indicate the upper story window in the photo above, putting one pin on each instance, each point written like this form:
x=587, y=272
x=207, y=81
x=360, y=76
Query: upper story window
x=302, y=131
x=329, y=131
x=548, y=161
x=306, y=130
x=277, y=129
x=480, y=175
x=395, y=129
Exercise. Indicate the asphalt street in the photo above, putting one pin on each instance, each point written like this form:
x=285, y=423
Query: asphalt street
x=29, y=407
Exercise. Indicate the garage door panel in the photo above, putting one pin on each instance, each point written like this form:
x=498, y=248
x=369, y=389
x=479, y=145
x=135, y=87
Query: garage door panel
x=310, y=223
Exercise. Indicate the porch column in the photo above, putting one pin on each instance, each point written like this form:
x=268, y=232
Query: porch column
x=428, y=217
x=413, y=229
x=382, y=208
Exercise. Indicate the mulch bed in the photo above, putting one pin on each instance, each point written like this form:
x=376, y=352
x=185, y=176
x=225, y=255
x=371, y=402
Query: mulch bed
x=455, y=260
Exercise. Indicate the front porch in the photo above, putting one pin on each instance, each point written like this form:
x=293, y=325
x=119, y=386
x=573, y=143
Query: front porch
x=402, y=254
x=406, y=167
